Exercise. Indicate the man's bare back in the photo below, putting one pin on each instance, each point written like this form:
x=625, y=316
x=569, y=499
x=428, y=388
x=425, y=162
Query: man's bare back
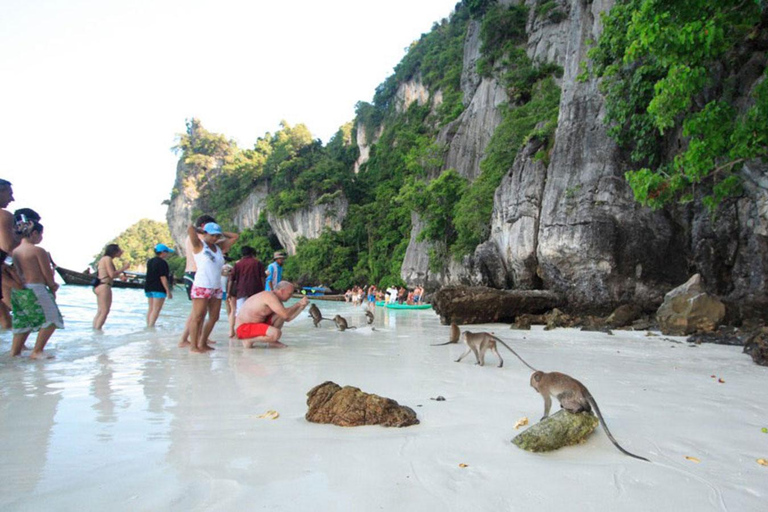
x=34, y=265
x=262, y=316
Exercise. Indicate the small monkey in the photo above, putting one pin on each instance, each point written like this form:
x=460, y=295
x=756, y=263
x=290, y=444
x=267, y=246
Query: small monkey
x=369, y=316
x=573, y=397
x=316, y=315
x=341, y=323
x=480, y=342
x=453, y=338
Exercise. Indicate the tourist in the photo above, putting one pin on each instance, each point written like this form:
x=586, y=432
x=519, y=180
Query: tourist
x=157, y=285
x=34, y=306
x=247, y=277
x=418, y=292
x=261, y=317
x=275, y=271
x=191, y=267
x=206, y=290
x=7, y=243
x=106, y=273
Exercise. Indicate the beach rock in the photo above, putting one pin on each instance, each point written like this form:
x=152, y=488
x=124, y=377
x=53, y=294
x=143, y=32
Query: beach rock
x=624, y=315
x=350, y=407
x=688, y=309
x=475, y=305
x=560, y=429
x=757, y=347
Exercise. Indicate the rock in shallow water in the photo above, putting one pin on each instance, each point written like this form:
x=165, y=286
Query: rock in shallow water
x=350, y=407
x=560, y=429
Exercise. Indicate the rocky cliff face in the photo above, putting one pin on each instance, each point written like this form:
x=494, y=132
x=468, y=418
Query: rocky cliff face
x=307, y=222
x=572, y=226
x=179, y=214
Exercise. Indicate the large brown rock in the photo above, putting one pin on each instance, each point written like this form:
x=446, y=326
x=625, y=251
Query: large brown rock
x=757, y=347
x=350, y=407
x=477, y=304
x=688, y=309
x=561, y=429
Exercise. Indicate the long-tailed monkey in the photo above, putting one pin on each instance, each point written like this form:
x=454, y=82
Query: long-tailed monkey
x=317, y=317
x=480, y=342
x=341, y=323
x=453, y=338
x=369, y=316
x=573, y=397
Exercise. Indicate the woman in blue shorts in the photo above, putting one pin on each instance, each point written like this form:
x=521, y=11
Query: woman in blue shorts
x=157, y=285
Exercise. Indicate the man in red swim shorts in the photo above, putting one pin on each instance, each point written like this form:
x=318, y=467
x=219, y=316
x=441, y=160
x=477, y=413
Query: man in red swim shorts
x=262, y=315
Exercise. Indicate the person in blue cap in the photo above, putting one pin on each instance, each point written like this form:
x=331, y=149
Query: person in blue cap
x=157, y=286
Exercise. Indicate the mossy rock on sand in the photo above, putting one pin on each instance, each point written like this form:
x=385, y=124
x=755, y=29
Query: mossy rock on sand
x=560, y=429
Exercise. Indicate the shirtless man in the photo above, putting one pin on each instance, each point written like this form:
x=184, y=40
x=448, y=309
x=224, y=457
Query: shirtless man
x=262, y=315
x=34, y=306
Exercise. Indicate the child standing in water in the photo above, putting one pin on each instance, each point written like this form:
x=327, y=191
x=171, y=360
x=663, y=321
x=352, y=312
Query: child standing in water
x=34, y=306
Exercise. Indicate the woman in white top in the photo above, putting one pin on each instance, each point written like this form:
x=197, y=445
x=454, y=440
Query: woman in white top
x=206, y=291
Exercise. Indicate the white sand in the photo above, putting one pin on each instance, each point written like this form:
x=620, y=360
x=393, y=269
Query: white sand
x=134, y=423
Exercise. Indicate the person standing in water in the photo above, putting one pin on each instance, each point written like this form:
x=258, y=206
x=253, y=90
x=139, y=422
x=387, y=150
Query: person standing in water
x=275, y=271
x=102, y=283
x=34, y=306
x=7, y=243
x=157, y=286
x=206, y=290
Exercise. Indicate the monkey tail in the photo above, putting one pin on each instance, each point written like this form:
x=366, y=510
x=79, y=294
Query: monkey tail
x=593, y=403
x=441, y=344
x=516, y=354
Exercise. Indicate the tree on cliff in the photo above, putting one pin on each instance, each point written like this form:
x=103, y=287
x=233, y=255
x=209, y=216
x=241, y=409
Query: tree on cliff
x=676, y=67
x=138, y=243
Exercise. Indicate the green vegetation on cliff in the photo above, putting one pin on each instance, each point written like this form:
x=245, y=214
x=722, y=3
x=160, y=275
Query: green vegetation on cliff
x=674, y=69
x=138, y=243
x=404, y=172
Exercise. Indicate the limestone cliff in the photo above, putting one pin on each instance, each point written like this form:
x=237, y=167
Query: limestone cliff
x=573, y=226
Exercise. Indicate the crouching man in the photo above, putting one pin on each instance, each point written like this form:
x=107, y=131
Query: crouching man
x=262, y=316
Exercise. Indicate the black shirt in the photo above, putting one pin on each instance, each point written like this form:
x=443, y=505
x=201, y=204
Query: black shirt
x=156, y=268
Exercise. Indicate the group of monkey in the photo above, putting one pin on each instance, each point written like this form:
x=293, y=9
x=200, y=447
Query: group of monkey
x=573, y=396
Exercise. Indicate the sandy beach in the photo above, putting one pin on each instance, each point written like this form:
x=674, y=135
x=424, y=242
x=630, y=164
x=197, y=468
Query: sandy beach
x=128, y=421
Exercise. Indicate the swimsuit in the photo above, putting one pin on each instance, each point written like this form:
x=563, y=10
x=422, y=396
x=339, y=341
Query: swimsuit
x=252, y=330
x=34, y=308
x=199, y=292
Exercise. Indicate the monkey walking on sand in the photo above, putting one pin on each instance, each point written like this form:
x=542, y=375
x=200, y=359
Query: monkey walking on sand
x=480, y=342
x=573, y=397
x=341, y=323
x=453, y=338
x=316, y=315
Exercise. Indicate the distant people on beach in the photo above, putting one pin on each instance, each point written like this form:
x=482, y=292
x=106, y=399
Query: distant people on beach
x=106, y=273
x=263, y=315
x=34, y=306
x=157, y=284
x=206, y=290
x=247, y=279
x=275, y=271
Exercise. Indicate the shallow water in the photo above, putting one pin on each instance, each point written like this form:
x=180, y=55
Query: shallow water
x=125, y=420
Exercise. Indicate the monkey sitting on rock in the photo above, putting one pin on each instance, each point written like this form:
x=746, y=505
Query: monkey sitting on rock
x=573, y=397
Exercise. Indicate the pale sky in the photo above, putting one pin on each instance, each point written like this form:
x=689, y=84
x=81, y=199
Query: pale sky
x=93, y=92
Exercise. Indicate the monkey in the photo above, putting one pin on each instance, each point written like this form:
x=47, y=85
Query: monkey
x=453, y=338
x=316, y=315
x=369, y=316
x=480, y=342
x=341, y=323
x=573, y=397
